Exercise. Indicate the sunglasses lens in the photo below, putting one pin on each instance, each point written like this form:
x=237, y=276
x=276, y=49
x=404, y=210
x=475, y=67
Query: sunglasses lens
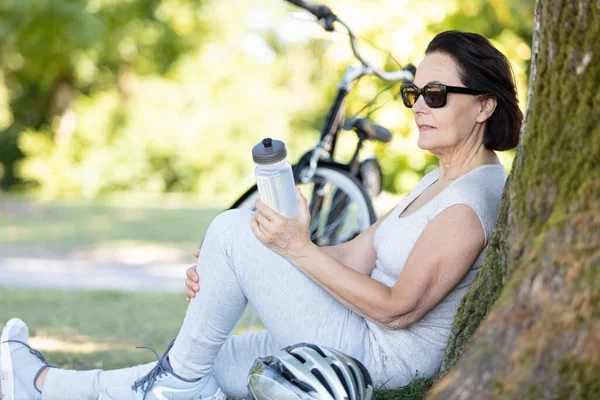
x=409, y=96
x=435, y=96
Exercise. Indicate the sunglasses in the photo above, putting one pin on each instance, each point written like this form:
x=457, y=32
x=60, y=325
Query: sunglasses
x=435, y=94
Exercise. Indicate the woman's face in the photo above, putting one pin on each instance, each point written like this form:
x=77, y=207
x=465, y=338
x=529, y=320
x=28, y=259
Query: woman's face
x=455, y=127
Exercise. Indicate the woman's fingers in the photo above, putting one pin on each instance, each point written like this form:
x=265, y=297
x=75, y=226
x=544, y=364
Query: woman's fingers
x=255, y=228
x=264, y=209
x=190, y=293
x=196, y=254
x=192, y=274
x=192, y=285
x=303, y=211
x=262, y=221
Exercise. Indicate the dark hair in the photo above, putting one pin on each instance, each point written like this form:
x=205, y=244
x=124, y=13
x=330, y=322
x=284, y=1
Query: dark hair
x=483, y=67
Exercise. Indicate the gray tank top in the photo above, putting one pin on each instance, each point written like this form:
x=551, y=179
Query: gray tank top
x=420, y=346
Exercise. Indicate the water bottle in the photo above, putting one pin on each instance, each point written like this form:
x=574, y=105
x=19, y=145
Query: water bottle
x=274, y=177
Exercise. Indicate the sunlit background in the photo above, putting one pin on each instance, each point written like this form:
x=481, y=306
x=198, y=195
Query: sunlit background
x=127, y=125
x=119, y=96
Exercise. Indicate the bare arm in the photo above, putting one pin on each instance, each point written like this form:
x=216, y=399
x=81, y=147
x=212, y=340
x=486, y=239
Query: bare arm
x=359, y=253
x=442, y=255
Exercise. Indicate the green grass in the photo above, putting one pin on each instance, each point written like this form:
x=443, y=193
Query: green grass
x=123, y=320
x=416, y=390
x=118, y=321
x=109, y=323
x=65, y=226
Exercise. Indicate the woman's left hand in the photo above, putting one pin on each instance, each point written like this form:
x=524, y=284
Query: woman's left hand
x=288, y=237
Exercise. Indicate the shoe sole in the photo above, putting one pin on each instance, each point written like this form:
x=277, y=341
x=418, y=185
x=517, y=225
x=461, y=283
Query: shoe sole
x=217, y=396
x=7, y=385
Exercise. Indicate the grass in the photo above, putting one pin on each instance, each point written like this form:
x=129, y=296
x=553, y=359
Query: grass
x=95, y=329
x=415, y=390
x=65, y=226
x=99, y=319
x=100, y=329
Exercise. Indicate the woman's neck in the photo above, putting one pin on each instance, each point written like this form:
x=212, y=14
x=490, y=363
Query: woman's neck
x=456, y=166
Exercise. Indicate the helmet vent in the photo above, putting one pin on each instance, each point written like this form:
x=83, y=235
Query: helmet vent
x=317, y=349
x=341, y=377
x=298, y=357
x=323, y=381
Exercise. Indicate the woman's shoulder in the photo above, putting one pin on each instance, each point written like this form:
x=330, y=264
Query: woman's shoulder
x=480, y=189
x=484, y=182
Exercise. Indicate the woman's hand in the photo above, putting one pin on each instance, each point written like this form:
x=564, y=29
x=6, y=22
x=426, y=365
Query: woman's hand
x=288, y=237
x=192, y=285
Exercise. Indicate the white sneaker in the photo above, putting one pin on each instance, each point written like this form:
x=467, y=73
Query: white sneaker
x=20, y=365
x=161, y=383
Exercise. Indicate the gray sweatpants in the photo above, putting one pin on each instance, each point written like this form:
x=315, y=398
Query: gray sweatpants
x=235, y=267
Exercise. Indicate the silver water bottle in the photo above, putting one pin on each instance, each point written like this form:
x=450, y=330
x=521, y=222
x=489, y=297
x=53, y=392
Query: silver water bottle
x=274, y=177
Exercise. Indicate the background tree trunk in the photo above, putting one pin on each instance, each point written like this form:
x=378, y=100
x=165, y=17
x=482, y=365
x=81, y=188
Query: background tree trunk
x=541, y=339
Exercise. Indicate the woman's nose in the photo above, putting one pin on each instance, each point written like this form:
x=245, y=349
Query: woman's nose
x=420, y=107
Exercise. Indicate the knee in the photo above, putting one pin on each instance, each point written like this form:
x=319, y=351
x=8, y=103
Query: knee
x=227, y=227
x=230, y=220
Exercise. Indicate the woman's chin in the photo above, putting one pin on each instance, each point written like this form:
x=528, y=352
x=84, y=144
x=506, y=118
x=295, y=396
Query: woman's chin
x=424, y=143
x=428, y=145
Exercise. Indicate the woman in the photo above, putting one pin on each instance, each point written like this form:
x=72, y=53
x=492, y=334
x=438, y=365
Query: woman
x=387, y=298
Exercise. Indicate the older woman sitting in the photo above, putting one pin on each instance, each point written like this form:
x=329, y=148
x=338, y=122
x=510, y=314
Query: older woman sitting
x=387, y=298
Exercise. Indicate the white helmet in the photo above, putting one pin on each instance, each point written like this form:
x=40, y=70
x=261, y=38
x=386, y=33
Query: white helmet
x=307, y=372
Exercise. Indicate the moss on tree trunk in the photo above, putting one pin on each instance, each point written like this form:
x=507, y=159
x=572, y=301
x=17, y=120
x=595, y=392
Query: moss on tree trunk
x=540, y=281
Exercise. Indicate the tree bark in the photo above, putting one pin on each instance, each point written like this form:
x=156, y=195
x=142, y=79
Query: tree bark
x=540, y=281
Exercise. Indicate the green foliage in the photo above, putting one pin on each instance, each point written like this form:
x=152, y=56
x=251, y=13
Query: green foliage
x=162, y=96
x=416, y=390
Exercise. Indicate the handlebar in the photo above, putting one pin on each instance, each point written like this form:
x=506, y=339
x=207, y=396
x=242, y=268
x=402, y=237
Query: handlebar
x=324, y=14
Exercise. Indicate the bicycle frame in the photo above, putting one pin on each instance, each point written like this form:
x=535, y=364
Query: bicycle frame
x=324, y=150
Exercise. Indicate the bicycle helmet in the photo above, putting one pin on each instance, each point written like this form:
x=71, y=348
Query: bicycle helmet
x=307, y=372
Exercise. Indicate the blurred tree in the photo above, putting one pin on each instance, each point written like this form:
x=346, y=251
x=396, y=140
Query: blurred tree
x=541, y=276
x=51, y=51
x=171, y=95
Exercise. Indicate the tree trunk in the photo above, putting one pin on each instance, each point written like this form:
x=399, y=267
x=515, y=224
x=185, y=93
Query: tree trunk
x=540, y=281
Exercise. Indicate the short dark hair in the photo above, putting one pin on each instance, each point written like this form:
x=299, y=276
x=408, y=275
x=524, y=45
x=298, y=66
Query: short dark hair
x=483, y=67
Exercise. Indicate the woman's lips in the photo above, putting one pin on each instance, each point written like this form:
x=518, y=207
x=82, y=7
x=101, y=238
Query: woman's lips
x=426, y=128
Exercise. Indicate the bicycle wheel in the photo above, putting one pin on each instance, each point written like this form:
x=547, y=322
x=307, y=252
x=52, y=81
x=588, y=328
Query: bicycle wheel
x=340, y=207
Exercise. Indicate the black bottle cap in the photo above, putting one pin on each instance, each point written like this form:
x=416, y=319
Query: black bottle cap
x=269, y=151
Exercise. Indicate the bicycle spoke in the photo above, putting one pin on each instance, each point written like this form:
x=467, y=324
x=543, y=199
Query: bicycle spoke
x=326, y=236
x=341, y=219
x=337, y=222
x=317, y=220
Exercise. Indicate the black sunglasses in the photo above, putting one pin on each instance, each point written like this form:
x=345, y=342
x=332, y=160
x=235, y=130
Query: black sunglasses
x=435, y=94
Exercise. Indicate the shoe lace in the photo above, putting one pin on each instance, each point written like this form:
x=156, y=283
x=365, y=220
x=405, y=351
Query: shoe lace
x=146, y=382
x=33, y=351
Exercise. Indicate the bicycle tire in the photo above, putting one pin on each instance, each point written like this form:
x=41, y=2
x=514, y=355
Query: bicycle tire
x=339, y=183
x=371, y=176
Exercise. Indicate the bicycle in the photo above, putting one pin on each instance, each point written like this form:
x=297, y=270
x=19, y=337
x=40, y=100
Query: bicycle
x=339, y=194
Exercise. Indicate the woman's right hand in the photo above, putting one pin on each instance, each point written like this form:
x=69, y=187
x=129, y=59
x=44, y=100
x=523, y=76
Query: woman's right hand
x=192, y=285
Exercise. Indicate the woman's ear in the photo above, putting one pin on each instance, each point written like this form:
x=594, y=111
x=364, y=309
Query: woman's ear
x=487, y=107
